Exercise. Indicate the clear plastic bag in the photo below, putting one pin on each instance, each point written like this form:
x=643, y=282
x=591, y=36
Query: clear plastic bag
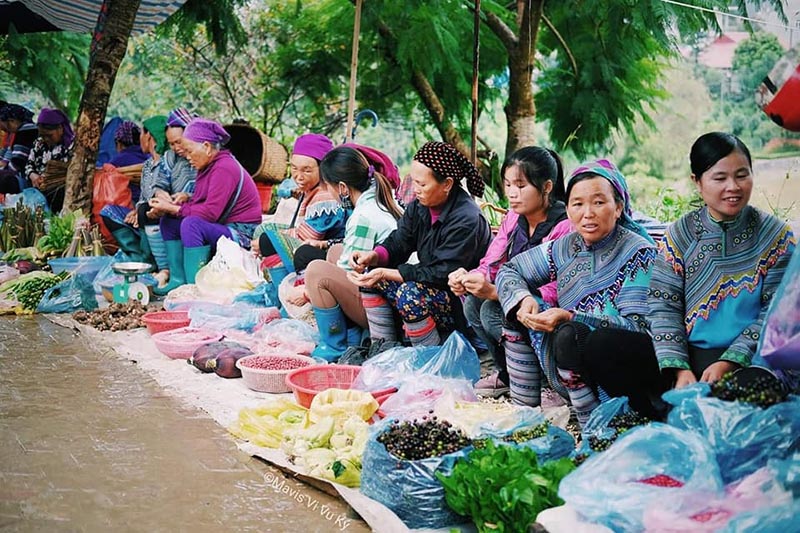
x=598, y=423
x=780, y=338
x=409, y=488
x=644, y=466
x=743, y=436
x=417, y=397
x=239, y=316
x=232, y=271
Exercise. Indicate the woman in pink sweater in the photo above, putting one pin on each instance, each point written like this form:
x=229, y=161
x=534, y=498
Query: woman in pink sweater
x=533, y=180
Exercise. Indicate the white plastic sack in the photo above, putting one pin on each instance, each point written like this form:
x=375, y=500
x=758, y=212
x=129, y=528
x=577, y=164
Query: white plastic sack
x=232, y=271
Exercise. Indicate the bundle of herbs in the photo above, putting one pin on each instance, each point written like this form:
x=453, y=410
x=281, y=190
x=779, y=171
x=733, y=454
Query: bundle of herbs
x=21, y=226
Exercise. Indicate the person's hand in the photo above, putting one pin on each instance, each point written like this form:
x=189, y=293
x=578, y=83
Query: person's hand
x=477, y=285
x=316, y=244
x=683, y=378
x=132, y=218
x=527, y=308
x=368, y=279
x=162, y=194
x=36, y=180
x=180, y=198
x=359, y=261
x=255, y=247
x=549, y=319
x=297, y=296
x=163, y=207
x=454, y=281
x=716, y=370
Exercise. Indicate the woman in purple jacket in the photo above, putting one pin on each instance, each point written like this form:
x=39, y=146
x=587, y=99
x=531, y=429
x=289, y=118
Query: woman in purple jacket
x=225, y=204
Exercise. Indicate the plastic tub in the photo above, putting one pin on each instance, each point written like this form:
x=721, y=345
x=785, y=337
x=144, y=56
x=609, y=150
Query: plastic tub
x=158, y=321
x=274, y=381
x=182, y=342
x=309, y=381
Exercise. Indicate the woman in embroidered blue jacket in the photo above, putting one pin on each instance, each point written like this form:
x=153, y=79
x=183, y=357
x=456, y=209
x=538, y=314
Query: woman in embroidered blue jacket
x=717, y=269
x=596, y=340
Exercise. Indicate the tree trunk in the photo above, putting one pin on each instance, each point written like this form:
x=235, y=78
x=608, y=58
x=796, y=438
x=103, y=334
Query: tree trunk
x=108, y=49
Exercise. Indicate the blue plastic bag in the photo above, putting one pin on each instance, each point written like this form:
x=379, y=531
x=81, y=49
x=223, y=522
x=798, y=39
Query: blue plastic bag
x=743, y=436
x=31, y=197
x=613, y=488
x=783, y=519
x=72, y=294
x=241, y=316
x=779, y=343
x=409, y=488
x=261, y=296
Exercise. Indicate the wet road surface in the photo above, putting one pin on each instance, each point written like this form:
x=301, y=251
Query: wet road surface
x=89, y=442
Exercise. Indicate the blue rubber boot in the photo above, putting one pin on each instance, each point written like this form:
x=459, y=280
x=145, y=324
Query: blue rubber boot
x=195, y=258
x=332, y=327
x=177, y=276
x=355, y=336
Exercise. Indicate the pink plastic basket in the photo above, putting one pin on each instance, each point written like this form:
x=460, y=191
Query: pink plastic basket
x=263, y=380
x=309, y=381
x=182, y=342
x=158, y=321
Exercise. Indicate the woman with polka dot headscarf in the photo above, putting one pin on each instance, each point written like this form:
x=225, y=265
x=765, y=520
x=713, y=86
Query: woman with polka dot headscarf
x=446, y=229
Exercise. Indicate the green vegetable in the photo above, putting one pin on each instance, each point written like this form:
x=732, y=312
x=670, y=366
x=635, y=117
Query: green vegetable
x=59, y=234
x=503, y=488
x=29, y=288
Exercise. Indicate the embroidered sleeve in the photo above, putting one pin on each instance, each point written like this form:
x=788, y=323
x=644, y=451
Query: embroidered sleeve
x=666, y=302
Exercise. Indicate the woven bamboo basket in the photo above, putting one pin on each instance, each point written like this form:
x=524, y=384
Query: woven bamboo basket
x=54, y=175
x=132, y=172
x=263, y=157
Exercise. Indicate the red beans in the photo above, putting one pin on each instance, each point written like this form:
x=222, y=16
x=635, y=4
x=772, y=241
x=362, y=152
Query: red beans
x=274, y=362
x=662, y=480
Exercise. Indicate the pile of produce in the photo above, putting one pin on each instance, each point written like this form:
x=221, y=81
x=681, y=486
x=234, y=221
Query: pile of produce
x=503, y=488
x=115, y=317
x=763, y=390
x=60, y=232
x=85, y=242
x=420, y=439
x=29, y=288
x=219, y=357
x=618, y=425
x=21, y=226
x=276, y=362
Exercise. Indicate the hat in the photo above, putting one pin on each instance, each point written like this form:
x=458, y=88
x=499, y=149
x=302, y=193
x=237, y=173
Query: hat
x=313, y=145
x=180, y=117
x=155, y=126
x=56, y=117
x=204, y=130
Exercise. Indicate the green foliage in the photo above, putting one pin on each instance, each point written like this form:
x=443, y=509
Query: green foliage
x=503, y=487
x=218, y=17
x=53, y=63
x=753, y=59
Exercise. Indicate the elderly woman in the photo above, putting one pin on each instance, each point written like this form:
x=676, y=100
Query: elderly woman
x=446, y=229
x=319, y=218
x=533, y=179
x=596, y=336
x=225, y=204
x=357, y=177
x=717, y=270
x=21, y=134
x=54, y=144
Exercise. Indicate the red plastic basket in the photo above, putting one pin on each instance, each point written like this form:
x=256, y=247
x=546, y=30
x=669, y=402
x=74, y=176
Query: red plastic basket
x=309, y=381
x=158, y=321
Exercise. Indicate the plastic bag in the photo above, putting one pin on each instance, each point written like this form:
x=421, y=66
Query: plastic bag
x=780, y=337
x=598, y=424
x=743, y=436
x=409, y=488
x=782, y=519
x=232, y=271
x=106, y=278
x=644, y=466
x=286, y=335
x=259, y=296
x=31, y=197
x=111, y=187
x=417, y=397
x=235, y=316
x=456, y=359
x=72, y=294
x=340, y=403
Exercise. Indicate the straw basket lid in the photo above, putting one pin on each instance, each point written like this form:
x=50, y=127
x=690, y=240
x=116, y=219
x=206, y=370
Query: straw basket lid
x=263, y=157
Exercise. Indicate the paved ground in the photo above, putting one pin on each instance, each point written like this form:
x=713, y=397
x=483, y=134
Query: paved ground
x=88, y=442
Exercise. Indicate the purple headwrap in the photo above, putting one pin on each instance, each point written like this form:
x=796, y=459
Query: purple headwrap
x=313, y=145
x=203, y=130
x=379, y=162
x=606, y=169
x=56, y=117
x=448, y=162
x=17, y=112
x=127, y=133
x=180, y=117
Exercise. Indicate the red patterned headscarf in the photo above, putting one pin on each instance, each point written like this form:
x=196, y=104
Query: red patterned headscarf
x=448, y=162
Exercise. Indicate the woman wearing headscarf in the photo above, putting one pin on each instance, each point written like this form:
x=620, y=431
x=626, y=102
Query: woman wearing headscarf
x=446, y=229
x=128, y=225
x=594, y=343
x=53, y=144
x=319, y=220
x=225, y=203
x=129, y=150
x=17, y=122
x=717, y=271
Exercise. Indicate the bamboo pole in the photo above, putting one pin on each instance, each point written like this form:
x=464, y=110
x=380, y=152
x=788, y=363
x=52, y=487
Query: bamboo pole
x=476, y=53
x=351, y=101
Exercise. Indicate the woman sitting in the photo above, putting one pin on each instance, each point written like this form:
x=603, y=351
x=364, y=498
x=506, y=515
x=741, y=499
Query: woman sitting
x=717, y=270
x=225, y=204
x=446, y=229
x=54, y=144
x=129, y=149
x=357, y=178
x=318, y=220
x=533, y=179
x=596, y=336
x=21, y=134
x=128, y=225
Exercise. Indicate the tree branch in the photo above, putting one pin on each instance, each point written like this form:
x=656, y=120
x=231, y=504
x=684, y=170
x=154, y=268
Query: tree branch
x=563, y=43
x=502, y=31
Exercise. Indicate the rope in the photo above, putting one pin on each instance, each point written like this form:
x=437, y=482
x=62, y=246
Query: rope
x=731, y=15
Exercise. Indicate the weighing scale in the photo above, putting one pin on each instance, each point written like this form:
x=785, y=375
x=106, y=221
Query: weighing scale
x=131, y=288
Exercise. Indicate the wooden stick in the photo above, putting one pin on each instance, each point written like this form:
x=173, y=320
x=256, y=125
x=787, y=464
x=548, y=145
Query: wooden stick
x=351, y=102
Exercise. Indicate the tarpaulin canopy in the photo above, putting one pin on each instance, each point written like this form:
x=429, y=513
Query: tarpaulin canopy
x=75, y=15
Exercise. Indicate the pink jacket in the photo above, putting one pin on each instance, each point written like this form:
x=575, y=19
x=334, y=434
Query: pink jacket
x=496, y=254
